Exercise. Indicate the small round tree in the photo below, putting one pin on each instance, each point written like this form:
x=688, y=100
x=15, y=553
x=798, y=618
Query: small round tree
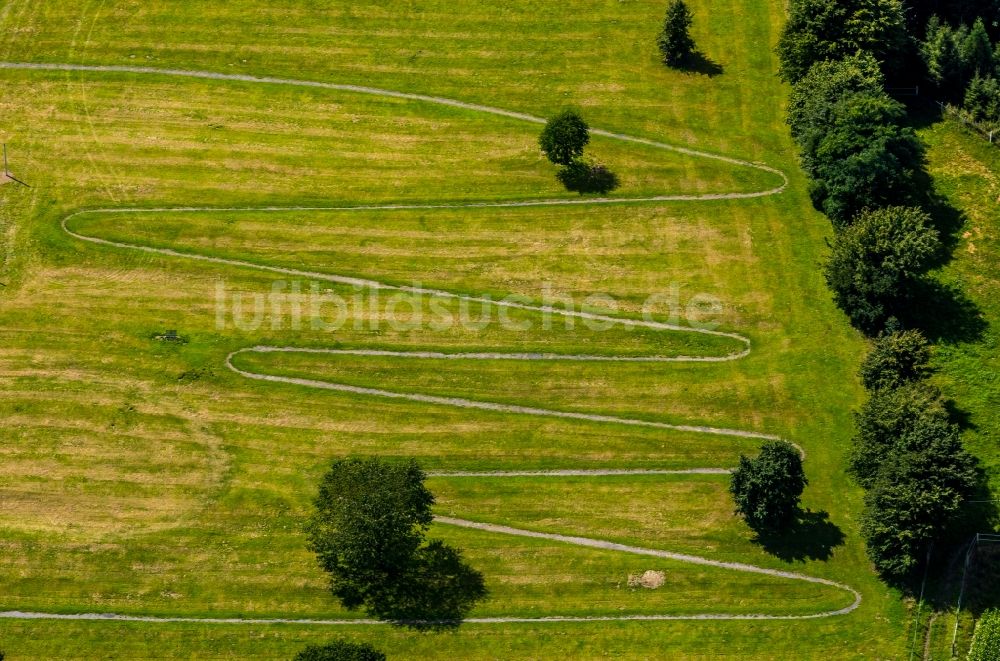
x=675, y=42
x=340, y=650
x=564, y=137
x=767, y=489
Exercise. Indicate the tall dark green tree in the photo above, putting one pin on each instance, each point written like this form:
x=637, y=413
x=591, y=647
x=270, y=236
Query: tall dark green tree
x=340, y=650
x=876, y=262
x=368, y=534
x=942, y=54
x=674, y=41
x=819, y=30
x=977, y=50
x=564, y=137
x=982, y=100
x=767, y=489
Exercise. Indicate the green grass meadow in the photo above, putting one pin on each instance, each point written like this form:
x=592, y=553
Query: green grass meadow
x=143, y=477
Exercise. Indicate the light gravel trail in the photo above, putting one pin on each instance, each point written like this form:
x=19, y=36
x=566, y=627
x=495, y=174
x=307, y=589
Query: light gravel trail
x=420, y=291
x=460, y=402
x=583, y=472
x=442, y=101
x=517, y=532
x=435, y=355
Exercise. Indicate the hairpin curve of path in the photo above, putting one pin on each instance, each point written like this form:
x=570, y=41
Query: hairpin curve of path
x=460, y=402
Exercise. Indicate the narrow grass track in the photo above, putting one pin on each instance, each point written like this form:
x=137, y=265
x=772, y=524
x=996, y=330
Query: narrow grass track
x=430, y=355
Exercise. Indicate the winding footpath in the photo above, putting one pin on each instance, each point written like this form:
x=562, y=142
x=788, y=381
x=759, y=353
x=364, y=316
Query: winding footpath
x=742, y=341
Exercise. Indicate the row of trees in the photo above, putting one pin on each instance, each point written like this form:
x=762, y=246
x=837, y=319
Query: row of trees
x=907, y=453
x=865, y=164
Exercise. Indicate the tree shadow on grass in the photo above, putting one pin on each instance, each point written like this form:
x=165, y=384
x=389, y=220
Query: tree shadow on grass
x=701, y=64
x=944, y=313
x=811, y=537
x=581, y=177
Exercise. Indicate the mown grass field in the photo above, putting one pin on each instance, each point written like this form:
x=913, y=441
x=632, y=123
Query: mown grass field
x=143, y=477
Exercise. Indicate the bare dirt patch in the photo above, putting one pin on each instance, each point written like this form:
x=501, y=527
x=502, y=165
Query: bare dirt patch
x=649, y=579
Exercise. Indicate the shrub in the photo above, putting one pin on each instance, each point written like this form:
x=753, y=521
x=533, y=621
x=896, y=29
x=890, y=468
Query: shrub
x=564, y=137
x=875, y=263
x=819, y=30
x=986, y=639
x=340, y=650
x=675, y=42
x=767, y=489
x=368, y=533
x=895, y=360
x=581, y=177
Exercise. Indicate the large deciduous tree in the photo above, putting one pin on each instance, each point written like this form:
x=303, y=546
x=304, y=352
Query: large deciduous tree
x=814, y=97
x=896, y=359
x=912, y=502
x=368, y=533
x=767, y=489
x=866, y=158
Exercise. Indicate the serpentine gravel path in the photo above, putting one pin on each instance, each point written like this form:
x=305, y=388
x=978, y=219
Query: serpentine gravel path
x=431, y=355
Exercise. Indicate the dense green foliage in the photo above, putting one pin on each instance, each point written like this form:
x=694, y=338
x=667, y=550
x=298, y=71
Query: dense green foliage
x=916, y=493
x=955, y=56
x=852, y=138
x=893, y=420
x=909, y=456
x=819, y=30
x=875, y=263
x=564, y=137
x=865, y=159
x=340, y=650
x=986, y=641
x=368, y=532
x=674, y=41
x=810, y=108
x=896, y=359
x=767, y=489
